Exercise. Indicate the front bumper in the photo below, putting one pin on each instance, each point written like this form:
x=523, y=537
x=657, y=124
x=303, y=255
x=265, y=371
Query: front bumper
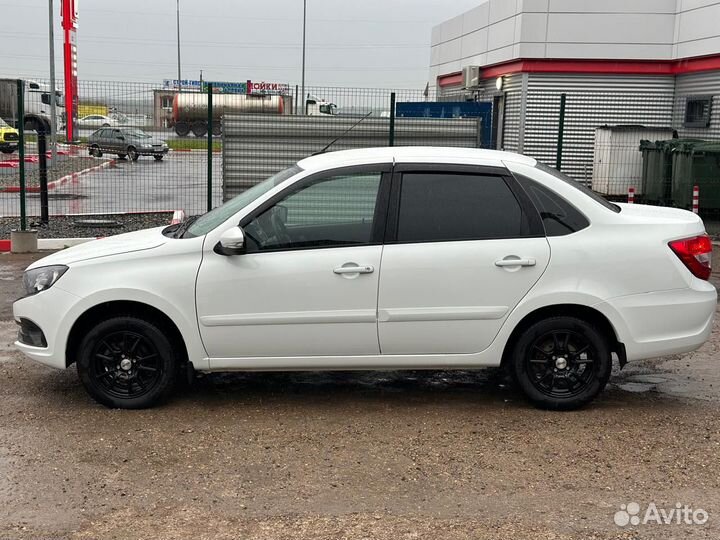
x=46, y=310
x=663, y=323
x=152, y=151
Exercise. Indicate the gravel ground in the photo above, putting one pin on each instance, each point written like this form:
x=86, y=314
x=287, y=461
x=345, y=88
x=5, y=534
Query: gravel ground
x=64, y=167
x=70, y=226
x=431, y=455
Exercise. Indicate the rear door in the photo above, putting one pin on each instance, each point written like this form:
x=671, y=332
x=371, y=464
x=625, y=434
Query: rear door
x=464, y=245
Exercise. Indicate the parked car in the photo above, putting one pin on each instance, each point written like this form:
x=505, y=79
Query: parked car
x=389, y=259
x=9, y=138
x=96, y=120
x=126, y=142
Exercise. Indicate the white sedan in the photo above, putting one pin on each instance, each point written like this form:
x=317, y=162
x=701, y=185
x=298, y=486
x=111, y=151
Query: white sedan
x=97, y=120
x=380, y=259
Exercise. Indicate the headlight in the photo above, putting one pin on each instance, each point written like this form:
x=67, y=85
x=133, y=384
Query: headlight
x=39, y=279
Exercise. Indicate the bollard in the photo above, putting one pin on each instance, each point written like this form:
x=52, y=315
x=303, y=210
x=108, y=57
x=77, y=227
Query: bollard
x=696, y=200
x=631, y=195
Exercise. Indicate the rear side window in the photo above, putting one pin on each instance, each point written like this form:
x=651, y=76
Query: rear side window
x=559, y=217
x=436, y=207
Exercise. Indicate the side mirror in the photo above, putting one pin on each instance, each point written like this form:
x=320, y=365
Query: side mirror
x=232, y=242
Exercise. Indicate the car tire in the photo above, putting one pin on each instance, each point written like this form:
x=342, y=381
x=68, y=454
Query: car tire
x=122, y=156
x=7, y=150
x=132, y=153
x=561, y=363
x=127, y=362
x=95, y=151
x=158, y=158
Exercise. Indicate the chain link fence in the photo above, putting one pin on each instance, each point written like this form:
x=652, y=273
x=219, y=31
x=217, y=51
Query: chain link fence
x=141, y=151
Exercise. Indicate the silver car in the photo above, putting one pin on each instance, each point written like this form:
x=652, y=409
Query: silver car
x=126, y=142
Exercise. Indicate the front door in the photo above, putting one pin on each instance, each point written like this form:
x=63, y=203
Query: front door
x=466, y=247
x=308, y=284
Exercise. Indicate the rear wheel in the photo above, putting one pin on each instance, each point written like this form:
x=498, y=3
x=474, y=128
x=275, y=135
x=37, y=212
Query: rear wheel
x=127, y=363
x=132, y=153
x=199, y=129
x=561, y=363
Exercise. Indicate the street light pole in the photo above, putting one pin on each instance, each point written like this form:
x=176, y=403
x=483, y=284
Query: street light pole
x=53, y=111
x=302, y=95
x=178, y=46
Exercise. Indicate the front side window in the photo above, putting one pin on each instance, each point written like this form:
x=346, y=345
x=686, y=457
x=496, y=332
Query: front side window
x=331, y=211
x=440, y=207
x=207, y=222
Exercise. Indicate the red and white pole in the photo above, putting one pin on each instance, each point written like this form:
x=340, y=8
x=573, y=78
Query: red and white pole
x=696, y=200
x=631, y=195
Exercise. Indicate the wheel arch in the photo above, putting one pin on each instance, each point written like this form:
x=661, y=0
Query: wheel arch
x=586, y=313
x=113, y=308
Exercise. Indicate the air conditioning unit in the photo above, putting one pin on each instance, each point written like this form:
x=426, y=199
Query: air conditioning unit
x=471, y=77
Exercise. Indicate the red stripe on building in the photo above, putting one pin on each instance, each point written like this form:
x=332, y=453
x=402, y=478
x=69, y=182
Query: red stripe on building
x=604, y=67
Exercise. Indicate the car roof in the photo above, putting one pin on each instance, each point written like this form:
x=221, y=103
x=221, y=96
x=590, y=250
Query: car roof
x=412, y=154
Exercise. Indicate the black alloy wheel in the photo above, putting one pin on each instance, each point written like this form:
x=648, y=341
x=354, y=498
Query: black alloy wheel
x=127, y=362
x=561, y=363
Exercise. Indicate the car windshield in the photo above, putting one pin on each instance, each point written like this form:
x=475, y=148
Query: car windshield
x=137, y=133
x=577, y=185
x=207, y=222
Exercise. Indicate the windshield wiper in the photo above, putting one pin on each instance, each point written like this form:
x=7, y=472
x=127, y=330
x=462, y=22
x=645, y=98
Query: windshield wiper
x=184, y=226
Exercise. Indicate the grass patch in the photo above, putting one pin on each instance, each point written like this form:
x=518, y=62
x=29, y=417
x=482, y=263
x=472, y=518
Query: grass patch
x=192, y=144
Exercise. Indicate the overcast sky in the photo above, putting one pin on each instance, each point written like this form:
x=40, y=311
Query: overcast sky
x=369, y=43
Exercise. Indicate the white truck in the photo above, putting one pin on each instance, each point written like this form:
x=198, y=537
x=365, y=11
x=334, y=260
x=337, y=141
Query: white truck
x=36, y=105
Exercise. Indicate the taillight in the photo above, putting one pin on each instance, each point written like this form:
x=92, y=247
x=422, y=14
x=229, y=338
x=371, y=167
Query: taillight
x=696, y=253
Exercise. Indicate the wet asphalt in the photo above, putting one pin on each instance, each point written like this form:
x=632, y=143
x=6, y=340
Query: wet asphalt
x=355, y=455
x=178, y=182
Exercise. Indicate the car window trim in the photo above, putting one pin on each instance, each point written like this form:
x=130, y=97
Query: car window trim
x=535, y=226
x=381, y=203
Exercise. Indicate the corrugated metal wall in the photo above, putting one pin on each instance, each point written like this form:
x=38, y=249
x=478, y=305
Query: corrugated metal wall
x=592, y=101
x=256, y=146
x=692, y=85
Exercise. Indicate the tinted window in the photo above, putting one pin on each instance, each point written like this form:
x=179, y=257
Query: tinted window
x=327, y=212
x=447, y=206
x=558, y=216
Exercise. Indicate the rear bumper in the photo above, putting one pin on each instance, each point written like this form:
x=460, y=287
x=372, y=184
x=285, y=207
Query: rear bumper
x=663, y=323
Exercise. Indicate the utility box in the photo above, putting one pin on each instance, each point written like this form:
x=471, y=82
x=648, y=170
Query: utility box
x=618, y=161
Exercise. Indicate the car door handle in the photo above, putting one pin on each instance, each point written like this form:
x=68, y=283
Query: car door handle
x=515, y=262
x=354, y=269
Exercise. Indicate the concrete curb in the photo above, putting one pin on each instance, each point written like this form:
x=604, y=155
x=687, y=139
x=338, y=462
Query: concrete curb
x=60, y=181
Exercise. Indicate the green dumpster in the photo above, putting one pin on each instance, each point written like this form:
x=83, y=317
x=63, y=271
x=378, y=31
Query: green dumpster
x=696, y=164
x=657, y=172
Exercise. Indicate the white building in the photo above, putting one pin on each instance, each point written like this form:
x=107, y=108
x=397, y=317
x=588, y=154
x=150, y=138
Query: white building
x=644, y=62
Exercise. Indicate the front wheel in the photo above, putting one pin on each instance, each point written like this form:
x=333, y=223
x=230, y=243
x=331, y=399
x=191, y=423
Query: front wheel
x=7, y=150
x=95, y=151
x=128, y=363
x=561, y=363
x=158, y=157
